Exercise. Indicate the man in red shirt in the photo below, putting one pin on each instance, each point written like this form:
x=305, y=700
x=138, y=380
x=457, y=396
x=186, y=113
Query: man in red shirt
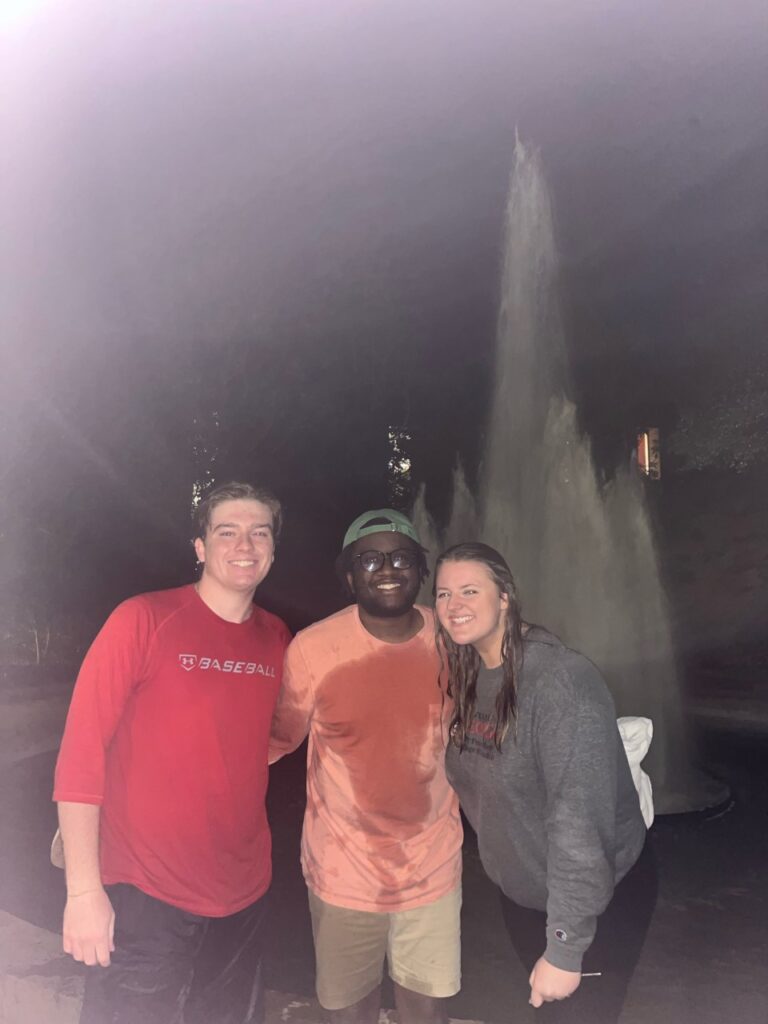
x=161, y=782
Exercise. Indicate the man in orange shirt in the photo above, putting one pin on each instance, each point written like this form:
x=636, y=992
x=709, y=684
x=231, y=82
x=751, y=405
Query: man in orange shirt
x=381, y=846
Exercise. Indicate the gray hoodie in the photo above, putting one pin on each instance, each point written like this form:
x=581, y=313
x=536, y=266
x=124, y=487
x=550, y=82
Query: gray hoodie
x=556, y=812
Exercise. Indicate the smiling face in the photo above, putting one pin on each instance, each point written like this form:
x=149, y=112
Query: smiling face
x=387, y=592
x=471, y=608
x=238, y=548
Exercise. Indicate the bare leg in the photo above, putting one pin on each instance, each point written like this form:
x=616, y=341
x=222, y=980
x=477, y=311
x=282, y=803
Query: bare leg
x=413, y=1008
x=365, y=1011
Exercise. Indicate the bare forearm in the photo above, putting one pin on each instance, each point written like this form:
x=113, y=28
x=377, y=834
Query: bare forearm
x=89, y=921
x=79, y=824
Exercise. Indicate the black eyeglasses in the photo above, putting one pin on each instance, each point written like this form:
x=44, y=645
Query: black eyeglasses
x=372, y=561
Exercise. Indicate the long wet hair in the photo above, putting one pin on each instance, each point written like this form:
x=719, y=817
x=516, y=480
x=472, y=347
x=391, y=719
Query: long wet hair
x=462, y=660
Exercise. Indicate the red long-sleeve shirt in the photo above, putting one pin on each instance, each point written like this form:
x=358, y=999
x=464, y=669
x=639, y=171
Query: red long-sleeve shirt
x=168, y=731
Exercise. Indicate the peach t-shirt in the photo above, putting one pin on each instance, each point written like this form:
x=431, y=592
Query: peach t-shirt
x=381, y=830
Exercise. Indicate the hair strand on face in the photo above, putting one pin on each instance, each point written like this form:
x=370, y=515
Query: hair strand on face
x=462, y=661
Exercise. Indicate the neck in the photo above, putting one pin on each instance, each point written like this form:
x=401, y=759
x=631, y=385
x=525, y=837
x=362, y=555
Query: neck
x=491, y=658
x=237, y=607
x=489, y=648
x=393, y=631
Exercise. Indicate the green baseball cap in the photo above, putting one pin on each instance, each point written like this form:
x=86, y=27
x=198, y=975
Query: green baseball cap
x=380, y=520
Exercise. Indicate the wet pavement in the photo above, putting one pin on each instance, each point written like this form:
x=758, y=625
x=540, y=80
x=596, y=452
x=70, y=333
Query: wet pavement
x=705, y=960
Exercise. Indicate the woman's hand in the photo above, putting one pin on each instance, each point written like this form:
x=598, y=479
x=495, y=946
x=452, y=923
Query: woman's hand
x=549, y=983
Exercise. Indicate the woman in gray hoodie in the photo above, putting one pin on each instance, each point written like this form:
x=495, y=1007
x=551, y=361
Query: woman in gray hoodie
x=536, y=758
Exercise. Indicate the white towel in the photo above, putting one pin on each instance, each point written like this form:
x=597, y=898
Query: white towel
x=636, y=734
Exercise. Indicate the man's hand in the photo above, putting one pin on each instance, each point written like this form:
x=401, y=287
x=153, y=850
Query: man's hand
x=549, y=983
x=89, y=927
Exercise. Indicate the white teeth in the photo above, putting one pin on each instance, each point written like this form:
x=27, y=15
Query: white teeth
x=461, y=620
x=388, y=586
x=243, y=564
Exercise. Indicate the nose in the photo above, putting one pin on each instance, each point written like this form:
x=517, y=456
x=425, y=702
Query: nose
x=245, y=542
x=454, y=601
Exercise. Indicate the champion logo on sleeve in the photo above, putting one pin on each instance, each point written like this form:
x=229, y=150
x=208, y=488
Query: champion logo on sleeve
x=561, y=935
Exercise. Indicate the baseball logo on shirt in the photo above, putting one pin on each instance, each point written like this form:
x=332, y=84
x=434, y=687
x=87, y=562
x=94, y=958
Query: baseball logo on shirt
x=238, y=668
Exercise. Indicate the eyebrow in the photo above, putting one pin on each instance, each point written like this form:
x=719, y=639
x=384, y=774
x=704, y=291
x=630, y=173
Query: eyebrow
x=234, y=526
x=378, y=551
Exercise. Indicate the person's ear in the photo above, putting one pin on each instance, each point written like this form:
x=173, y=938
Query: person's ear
x=200, y=549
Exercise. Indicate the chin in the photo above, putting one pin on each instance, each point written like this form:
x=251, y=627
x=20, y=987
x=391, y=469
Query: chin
x=393, y=613
x=387, y=611
x=461, y=641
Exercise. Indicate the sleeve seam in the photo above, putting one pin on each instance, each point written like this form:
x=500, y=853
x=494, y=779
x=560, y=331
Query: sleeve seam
x=63, y=796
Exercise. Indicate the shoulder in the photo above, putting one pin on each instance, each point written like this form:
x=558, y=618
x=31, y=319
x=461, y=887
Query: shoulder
x=324, y=644
x=558, y=674
x=151, y=608
x=136, y=622
x=544, y=656
x=343, y=623
x=267, y=622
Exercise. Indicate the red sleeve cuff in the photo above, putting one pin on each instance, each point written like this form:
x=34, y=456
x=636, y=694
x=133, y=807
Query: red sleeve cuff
x=72, y=797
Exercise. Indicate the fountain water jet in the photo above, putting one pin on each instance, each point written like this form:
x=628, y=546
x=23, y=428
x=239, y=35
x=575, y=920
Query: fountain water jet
x=582, y=553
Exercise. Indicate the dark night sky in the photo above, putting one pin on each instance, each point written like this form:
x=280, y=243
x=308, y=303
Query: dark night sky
x=290, y=212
